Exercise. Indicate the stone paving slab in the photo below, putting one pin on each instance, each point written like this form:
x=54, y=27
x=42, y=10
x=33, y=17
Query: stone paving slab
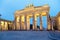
x=29, y=35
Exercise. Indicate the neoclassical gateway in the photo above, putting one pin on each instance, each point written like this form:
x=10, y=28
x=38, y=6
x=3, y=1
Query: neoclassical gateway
x=22, y=17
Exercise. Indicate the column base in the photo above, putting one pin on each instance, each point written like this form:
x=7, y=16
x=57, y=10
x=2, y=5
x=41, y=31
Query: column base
x=41, y=29
x=49, y=29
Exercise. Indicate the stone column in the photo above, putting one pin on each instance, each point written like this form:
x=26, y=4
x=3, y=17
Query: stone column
x=18, y=23
x=48, y=22
x=0, y=24
x=27, y=22
x=24, y=27
x=34, y=22
x=21, y=24
x=4, y=26
x=52, y=24
x=41, y=28
x=52, y=27
x=24, y=23
x=15, y=23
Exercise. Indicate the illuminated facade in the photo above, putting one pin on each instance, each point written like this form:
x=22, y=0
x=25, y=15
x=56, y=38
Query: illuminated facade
x=6, y=24
x=22, y=17
x=55, y=22
x=58, y=21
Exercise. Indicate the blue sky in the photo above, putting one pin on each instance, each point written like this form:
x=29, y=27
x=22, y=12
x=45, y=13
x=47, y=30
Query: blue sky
x=8, y=7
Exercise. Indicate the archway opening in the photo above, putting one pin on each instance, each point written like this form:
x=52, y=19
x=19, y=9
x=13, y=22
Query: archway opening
x=44, y=22
x=38, y=23
x=31, y=23
x=9, y=27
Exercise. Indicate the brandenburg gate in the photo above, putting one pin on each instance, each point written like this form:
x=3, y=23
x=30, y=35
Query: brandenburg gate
x=22, y=17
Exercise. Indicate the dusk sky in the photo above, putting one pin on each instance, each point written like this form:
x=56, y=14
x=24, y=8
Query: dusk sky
x=8, y=7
